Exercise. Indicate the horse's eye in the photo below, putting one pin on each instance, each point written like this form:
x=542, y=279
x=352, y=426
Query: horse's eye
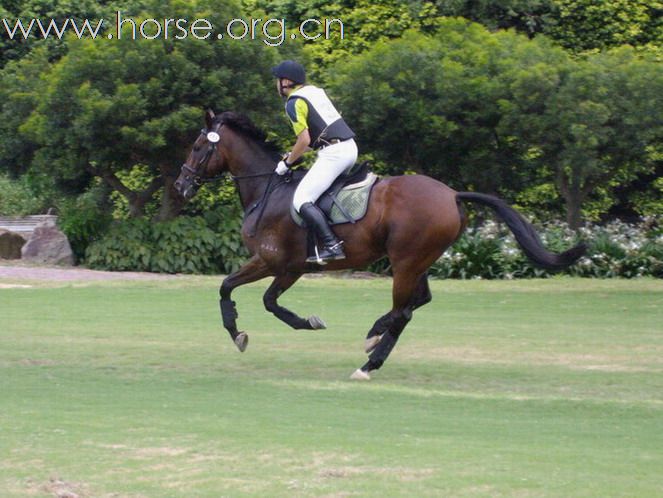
x=196, y=148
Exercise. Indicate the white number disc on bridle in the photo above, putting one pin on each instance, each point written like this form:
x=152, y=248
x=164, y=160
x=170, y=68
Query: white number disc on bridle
x=213, y=137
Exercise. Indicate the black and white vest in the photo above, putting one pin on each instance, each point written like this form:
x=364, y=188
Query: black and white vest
x=324, y=121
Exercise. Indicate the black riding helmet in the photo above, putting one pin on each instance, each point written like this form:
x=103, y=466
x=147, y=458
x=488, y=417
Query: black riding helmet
x=291, y=70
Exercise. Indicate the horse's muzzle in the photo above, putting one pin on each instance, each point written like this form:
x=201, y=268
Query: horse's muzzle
x=186, y=186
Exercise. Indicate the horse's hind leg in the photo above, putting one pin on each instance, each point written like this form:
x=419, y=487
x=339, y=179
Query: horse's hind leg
x=408, y=291
x=281, y=284
x=421, y=296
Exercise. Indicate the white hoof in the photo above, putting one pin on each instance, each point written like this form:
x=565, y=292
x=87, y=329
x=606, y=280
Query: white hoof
x=371, y=343
x=241, y=341
x=317, y=323
x=359, y=374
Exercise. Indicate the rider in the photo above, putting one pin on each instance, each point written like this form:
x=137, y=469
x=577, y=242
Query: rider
x=318, y=125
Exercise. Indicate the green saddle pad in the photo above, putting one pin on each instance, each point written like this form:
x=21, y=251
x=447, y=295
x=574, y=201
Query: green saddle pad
x=353, y=201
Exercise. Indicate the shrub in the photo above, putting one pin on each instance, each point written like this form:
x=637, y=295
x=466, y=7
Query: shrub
x=185, y=245
x=84, y=219
x=17, y=198
x=614, y=250
x=226, y=223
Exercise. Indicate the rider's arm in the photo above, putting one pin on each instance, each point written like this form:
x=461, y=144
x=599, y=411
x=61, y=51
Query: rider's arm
x=297, y=110
x=301, y=146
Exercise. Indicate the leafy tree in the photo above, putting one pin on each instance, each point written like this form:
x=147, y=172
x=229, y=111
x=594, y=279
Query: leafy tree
x=527, y=16
x=20, y=86
x=497, y=112
x=598, y=24
x=364, y=23
x=16, y=46
x=598, y=126
x=108, y=105
x=437, y=104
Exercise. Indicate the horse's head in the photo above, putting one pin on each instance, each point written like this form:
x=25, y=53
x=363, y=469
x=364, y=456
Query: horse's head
x=205, y=159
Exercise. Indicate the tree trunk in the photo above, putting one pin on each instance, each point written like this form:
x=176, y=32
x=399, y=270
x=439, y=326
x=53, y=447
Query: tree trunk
x=573, y=212
x=171, y=202
x=573, y=196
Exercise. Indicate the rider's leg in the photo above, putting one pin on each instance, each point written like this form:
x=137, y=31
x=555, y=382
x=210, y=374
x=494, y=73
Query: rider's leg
x=315, y=219
x=331, y=162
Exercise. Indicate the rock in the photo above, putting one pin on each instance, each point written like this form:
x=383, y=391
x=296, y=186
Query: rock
x=10, y=244
x=48, y=245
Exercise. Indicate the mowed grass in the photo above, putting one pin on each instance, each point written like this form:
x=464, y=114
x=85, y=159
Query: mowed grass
x=526, y=389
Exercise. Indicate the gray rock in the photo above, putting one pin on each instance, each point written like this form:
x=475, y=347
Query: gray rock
x=48, y=245
x=10, y=244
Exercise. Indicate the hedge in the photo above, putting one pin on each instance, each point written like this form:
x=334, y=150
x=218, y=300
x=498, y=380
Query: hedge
x=213, y=245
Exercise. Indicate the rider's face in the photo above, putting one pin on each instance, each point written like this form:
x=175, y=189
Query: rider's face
x=281, y=83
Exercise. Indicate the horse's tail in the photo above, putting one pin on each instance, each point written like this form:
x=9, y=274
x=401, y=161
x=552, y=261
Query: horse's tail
x=525, y=234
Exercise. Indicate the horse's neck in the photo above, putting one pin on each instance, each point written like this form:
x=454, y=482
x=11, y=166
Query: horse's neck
x=252, y=179
x=251, y=166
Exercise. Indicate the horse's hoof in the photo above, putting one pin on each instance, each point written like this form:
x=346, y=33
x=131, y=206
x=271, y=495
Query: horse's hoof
x=241, y=341
x=371, y=343
x=316, y=323
x=359, y=374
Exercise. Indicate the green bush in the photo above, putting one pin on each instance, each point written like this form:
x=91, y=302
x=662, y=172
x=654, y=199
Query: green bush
x=84, y=219
x=226, y=223
x=185, y=245
x=17, y=198
x=614, y=250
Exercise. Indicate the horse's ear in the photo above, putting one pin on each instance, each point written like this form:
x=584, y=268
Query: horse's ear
x=209, y=118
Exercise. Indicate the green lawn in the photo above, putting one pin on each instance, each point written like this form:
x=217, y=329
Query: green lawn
x=525, y=389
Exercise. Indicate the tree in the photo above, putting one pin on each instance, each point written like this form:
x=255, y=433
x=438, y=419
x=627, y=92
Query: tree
x=599, y=126
x=599, y=24
x=13, y=46
x=364, y=23
x=497, y=112
x=108, y=105
x=438, y=103
x=527, y=16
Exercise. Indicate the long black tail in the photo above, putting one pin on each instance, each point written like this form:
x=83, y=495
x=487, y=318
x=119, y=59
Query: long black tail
x=525, y=234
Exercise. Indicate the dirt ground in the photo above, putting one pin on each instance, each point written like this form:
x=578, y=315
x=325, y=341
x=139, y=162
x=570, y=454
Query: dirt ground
x=21, y=271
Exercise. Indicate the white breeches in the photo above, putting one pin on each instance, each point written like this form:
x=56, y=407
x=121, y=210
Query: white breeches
x=331, y=162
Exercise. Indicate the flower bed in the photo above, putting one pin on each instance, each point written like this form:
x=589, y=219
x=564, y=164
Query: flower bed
x=614, y=250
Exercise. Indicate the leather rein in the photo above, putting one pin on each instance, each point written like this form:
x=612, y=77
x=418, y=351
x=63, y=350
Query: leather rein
x=202, y=164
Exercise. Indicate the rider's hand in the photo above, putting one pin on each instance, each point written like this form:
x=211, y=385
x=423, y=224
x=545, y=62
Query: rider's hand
x=281, y=168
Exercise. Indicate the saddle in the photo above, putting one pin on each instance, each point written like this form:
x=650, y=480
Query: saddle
x=346, y=201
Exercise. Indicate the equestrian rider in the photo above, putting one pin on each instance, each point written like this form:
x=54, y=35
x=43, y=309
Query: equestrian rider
x=318, y=125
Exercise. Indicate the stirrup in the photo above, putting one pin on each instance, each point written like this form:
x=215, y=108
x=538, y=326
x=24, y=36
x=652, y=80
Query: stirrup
x=331, y=253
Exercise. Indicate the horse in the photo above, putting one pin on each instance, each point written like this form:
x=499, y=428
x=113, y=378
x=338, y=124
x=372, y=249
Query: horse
x=410, y=219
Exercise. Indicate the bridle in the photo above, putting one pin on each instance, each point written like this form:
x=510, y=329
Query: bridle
x=213, y=139
x=194, y=174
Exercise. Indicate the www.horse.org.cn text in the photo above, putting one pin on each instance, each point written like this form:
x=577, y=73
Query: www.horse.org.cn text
x=272, y=32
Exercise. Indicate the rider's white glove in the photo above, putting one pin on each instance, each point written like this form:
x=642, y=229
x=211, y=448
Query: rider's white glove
x=281, y=168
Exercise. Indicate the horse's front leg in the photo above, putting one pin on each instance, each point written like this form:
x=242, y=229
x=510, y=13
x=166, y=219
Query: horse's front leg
x=281, y=284
x=254, y=270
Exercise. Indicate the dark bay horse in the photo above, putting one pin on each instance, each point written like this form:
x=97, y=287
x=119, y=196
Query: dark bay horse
x=411, y=219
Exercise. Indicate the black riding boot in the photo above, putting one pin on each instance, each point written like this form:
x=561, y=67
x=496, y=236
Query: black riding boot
x=316, y=220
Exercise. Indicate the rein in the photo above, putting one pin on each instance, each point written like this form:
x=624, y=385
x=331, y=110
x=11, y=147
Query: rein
x=262, y=203
x=199, y=180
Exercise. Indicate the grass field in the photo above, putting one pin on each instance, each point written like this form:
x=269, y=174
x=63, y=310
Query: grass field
x=518, y=389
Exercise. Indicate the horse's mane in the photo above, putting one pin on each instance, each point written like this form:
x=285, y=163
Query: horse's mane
x=242, y=124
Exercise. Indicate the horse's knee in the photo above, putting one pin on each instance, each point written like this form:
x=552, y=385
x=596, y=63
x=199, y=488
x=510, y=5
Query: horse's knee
x=425, y=298
x=226, y=289
x=399, y=321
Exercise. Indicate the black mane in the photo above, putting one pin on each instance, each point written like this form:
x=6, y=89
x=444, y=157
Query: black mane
x=242, y=124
